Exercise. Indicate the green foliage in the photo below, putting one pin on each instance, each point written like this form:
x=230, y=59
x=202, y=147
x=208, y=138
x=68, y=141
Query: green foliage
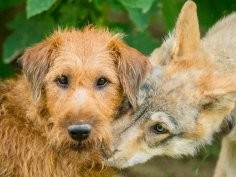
x=170, y=12
x=5, y=70
x=138, y=4
x=41, y=17
x=9, y=3
x=139, y=41
x=139, y=20
x=24, y=35
x=35, y=7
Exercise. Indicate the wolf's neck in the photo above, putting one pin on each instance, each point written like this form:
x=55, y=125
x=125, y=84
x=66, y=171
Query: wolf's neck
x=220, y=41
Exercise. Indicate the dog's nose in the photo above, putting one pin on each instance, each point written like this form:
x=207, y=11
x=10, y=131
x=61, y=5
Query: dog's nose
x=79, y=132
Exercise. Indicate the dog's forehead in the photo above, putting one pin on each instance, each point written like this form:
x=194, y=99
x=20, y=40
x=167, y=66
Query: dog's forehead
x=88, y=45
x=84, y=58
x=81, y=57
x=85, y=50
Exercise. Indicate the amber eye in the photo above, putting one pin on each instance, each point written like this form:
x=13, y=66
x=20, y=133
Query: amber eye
x=101, y=82
x=159, y=128
x=62, y=81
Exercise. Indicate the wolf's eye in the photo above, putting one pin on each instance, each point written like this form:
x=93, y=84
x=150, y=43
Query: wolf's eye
x=159, y=128
x=101, y=82
x=62, y=81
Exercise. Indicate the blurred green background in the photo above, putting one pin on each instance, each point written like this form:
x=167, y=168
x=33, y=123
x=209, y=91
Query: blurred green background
x=145, y=24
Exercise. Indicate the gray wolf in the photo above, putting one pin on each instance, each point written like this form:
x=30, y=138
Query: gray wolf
x=186, y=98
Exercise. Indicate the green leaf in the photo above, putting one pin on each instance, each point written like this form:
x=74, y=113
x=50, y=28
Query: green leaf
x=5, y=70
x=209, y=13
x=9, y=3
x=29, y=32
x=35, y=7
x=171, y=10
x=69, y=14
x=139, y=18
x=143, y=42
x=145, y=5
x=17, y=21
x=116, y=6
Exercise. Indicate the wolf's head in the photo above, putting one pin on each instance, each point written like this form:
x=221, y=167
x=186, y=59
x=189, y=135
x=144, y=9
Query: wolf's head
x=182, y=103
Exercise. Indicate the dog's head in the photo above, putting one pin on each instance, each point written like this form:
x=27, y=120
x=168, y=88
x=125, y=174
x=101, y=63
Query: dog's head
x=182, y=103
x=79, y=80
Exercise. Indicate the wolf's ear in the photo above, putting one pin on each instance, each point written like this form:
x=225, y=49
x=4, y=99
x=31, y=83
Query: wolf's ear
x=36, y=61
x=218, y=91
x=132, y=67
x=187, y=34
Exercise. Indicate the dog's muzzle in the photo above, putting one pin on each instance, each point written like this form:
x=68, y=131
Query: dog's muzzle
x=79, y=132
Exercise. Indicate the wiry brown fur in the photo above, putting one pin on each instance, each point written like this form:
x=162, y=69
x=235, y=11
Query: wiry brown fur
x=190, y=92
x=35, y=111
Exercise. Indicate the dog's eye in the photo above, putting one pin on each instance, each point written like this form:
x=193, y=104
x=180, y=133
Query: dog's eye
x=160, y=129
x=63, y=81
x=101, y=82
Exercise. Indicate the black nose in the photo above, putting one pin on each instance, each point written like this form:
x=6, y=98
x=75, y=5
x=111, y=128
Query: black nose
x=79, y=132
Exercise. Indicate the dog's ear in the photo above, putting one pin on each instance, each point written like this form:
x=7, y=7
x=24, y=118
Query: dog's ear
x=187, y=34
x=132, y=67
x=36, y=61
x=218, y=91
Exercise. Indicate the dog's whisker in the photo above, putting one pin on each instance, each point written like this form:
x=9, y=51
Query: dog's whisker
x=102, y=166
x=92, y=166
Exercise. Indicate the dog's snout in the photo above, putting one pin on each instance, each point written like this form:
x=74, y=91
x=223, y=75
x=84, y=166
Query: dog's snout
x=79, y=132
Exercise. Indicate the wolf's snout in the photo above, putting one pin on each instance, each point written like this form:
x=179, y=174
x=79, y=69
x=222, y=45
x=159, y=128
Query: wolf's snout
x=79, y=132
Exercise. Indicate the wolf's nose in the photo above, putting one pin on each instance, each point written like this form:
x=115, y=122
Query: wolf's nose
x=79, y=132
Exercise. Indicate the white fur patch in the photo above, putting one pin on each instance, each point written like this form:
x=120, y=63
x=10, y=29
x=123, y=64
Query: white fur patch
x=139, y=157
x=81, y=96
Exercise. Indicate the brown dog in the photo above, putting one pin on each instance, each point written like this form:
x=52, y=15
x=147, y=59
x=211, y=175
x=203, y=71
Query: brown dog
x=55, y=118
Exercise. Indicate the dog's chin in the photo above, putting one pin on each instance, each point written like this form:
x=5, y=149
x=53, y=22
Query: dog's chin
x=78, y=147
x=85, y=146
x=69, y=145
x=91, y=147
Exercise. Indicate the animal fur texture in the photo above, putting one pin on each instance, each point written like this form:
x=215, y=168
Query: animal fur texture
x=189, y=94
x=73, y=80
